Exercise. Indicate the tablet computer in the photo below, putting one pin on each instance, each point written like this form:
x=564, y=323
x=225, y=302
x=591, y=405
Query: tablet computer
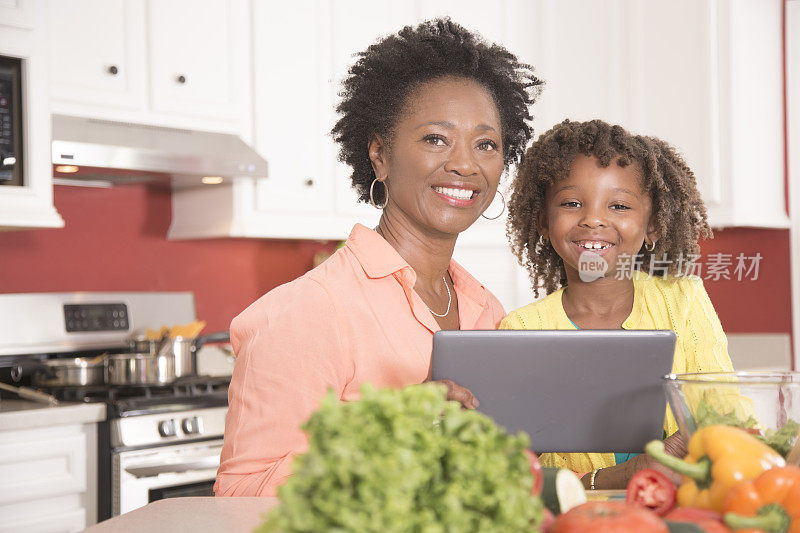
x=570, y=391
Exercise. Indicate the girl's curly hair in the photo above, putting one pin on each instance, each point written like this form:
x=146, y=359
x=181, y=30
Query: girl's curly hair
x=375, y=91
x=679, y=214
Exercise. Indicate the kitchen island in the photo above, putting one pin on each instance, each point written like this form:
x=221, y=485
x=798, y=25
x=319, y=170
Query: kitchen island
x=206, y=515
x=196, y=514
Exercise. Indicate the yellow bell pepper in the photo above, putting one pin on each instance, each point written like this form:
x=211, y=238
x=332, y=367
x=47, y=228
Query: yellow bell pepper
x=719, y=457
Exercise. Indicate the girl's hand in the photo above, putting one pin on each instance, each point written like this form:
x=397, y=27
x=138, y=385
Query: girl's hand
x=458, y=393
x=674, y=445
x=617, y=477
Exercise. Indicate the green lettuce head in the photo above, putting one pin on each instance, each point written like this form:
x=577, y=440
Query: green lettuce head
x=406, y=460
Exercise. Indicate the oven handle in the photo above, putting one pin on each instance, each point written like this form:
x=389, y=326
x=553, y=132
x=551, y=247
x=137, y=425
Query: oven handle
x=154, y=470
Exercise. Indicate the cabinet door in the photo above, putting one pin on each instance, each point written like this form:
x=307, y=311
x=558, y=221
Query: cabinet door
x=34, y=468
x=291, y=108
x=84, y=71
x=197, y=56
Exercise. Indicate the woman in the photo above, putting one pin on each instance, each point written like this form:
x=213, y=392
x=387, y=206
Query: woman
x=430, y=119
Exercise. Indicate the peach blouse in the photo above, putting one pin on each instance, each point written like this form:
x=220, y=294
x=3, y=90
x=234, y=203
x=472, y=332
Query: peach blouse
x=354, y=319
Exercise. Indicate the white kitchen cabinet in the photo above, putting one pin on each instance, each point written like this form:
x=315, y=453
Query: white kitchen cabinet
x=197, y=56
x=684, y=71
x=49, y=478
x=167, y=63
x=31, y=204
x=292, y=122
x=81, y=71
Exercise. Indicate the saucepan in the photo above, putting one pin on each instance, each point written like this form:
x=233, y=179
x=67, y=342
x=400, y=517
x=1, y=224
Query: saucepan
x=183, y=349
x=140, y=369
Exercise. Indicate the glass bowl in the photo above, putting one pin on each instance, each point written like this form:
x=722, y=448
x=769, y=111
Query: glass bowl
x=766, y=403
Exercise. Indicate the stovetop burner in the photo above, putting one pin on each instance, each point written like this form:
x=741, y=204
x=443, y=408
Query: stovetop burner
x=183, y=394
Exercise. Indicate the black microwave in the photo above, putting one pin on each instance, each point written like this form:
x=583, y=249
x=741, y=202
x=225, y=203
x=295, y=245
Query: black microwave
x=11, y=136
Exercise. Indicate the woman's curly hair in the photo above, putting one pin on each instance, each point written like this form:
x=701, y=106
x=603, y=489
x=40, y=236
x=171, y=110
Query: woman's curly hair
x=375, y=91
x=678, y=213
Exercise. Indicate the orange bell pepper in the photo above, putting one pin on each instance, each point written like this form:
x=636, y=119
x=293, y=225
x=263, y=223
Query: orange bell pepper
x=770, y=503
x=719, y=457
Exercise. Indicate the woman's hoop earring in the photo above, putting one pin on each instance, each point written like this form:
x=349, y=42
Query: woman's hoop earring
x=372, y=198
x=543, y=241
x=649, y=247
x=501, y=211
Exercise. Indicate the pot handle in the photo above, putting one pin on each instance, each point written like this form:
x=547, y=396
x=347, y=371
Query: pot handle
x=22, y=368
x=222, y=336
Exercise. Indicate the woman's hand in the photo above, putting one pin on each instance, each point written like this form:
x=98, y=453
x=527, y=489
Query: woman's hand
x=455, y=391
x=458, y=393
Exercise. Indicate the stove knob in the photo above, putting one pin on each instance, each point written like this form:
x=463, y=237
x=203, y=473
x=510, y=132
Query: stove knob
x=192, y=426
x=166, y=428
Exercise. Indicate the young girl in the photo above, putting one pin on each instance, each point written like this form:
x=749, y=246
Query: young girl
x=590, y=193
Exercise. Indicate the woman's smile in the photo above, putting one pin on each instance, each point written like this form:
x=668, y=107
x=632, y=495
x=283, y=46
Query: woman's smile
x=457, y=195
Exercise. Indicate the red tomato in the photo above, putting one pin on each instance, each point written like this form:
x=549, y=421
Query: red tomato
x=536, y=470
x=609, y=517
x=652, y=490
x=708, y=521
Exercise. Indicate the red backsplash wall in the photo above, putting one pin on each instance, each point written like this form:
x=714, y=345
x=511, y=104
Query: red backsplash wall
x=762, y=305
x=115, y=240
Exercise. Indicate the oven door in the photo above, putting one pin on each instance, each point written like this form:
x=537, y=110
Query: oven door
x=142, y=476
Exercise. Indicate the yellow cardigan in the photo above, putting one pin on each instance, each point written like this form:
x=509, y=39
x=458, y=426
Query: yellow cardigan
x=679, y=304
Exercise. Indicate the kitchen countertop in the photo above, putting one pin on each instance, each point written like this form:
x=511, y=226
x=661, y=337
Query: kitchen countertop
x=207, y=514
x=196, y=514
x=26, y=414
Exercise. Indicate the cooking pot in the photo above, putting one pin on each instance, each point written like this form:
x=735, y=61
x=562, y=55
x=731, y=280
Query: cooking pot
x=183, y=349
x=140, y=369
x=63, y=372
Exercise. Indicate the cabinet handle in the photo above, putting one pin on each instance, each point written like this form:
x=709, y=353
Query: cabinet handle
x=113, y=70
x=309, y=182
x=181, y=79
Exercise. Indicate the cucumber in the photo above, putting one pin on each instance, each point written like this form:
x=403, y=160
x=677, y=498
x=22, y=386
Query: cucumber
x=562, y=490
x=684, y=527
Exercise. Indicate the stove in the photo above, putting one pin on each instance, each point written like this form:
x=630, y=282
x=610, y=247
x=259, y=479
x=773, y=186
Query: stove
x=125, y=401
x=158, y=441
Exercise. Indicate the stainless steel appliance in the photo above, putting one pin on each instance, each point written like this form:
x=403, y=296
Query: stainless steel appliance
x=158, y=441
x=10, y=121
x=93, y=151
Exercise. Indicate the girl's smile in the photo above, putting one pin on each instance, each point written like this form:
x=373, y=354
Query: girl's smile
x=598, y=210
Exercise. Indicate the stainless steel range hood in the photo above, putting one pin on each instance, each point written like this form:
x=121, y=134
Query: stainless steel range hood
x=103, y=153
